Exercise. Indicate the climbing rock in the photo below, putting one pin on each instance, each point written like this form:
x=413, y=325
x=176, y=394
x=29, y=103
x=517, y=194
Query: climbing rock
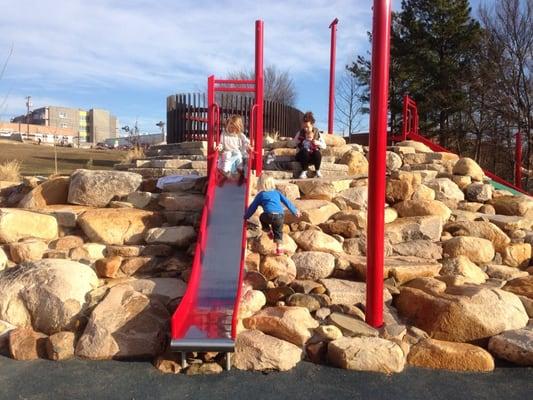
x=179, y=236
x=313, y=211
x=462, y=266
x=504, y=272
x=321, y=189
x=419, y=248
x=303, y=300
x=438, y=354
x=517, y=255
x=181, y=202
x=394, y=161
x=467, y=166
x=419, y=147
x=256, y=351
x=414, y=208
x=125, y=324
x=98, y=188
x=293, y=324
x=423, y=192
x=414, y=228
x=446, y=190
x=366, y=354
x=356, y=162
x=351, y=326
x=513, y=205
x=273, y=267
x=313, y=265
x=60, y=346
x=251, y=302
x=3, y=259
x=118, y=226
x=347, y=229
x=26, y=344
x=462, y=313
x=356, y=197
x=520, y=286
x=317, y=241
x=480, y=229
x=27, y=250
x=209, y=368
x=49, y=294
x=398, y=190
x=265, y=246
x=480, y=192
x=66, y=243
x=52, y=191
x=347, y=292
x=477, y=250
x=17, y=225
x=515, y=346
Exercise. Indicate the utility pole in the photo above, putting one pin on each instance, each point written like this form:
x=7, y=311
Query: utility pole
x=28, y=105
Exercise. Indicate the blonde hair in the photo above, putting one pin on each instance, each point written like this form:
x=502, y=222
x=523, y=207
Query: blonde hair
x=266, y=183
x=235, y=121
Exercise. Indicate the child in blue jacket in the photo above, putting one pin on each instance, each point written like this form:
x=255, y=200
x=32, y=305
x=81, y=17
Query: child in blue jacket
x=273, y=215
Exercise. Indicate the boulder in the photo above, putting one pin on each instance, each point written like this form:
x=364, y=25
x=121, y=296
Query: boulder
x=60, y=346
x=251, y=302
x=66, y=243
x=3, y=259
x=419, y=248
x=423, y=192
x=313, y=265
x=18, y=224
x=446, y=190
x=52, y=191
x=108, y=267
x=356, y=197
x=118, y=226
x=313, y=211
x=513, y=205
x=419, y=147
x=345, y=228
x=5, y=329
x=181, y=201
x=356, y=162
x=478, y=250
x=27, y=250
x=126, y=324
x=256, y=351
x=317, y=241
x=98, y=188
x=347, y=292
x=394, y=161
x=265, y=246
x=462, y=313
x=415, y=208
x=321, y=189
x=164, y=290
x=504, y=272
x=467, y=166
x=462, y=266
x=351, y=326
x=366, y=354
x=274, y=267
x=398, y=190
x=289, y=190
x=49, y=295
x=515, y=346
x=520, y=286
x=26, y=344
x=480, y=229
x=414, y=228
x=480, y=192
x=438, y=354
x=303, y=300
x=517, y=255
x=334, y=140
x=293, y=324
x=179, y=236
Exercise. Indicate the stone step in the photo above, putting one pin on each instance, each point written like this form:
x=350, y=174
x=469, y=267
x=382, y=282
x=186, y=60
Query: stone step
x=159, y=172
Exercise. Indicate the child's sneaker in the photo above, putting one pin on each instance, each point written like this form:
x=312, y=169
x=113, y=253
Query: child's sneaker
x=318, y=174
x=303, y=175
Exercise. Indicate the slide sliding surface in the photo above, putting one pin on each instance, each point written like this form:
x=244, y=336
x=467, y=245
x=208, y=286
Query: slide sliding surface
x=203, y=320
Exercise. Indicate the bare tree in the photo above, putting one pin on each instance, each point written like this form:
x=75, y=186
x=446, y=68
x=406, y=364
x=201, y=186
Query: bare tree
x=278, y=85
x=348, y=102
x=2, y=71
x=509, y=28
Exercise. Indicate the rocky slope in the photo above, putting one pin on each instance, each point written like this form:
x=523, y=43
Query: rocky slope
x=94, y=265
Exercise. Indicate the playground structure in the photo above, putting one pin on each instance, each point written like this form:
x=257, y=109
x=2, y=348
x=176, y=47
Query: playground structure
x=206, y=318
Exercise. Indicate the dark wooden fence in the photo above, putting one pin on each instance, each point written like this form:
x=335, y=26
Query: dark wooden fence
x=187, y=115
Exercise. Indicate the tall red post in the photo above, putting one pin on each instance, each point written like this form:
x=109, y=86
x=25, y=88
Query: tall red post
x=405, y=117
x=259, y=97
x=518, y=161
x=379, y=92
x=333, y=50
x=210, y=121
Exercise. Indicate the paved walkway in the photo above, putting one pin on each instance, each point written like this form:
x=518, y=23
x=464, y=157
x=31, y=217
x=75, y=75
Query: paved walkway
x=77, y=379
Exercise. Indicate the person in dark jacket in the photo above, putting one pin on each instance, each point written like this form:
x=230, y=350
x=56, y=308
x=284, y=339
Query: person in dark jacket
x=273, y=215
x=309, y=142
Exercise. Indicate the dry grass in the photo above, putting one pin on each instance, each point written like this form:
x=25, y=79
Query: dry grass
x=10, y=170
x=134, y=154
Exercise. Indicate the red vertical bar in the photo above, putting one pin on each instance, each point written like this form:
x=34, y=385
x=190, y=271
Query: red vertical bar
x=210, y=121
x=379, y=93
x=518, y=161
x=333, y=48
x=259, y=97
x=405, y=117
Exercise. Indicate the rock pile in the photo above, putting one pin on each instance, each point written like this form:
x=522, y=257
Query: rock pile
x=95, y=264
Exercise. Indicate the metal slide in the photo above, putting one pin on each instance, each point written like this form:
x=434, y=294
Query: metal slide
x=204, y=320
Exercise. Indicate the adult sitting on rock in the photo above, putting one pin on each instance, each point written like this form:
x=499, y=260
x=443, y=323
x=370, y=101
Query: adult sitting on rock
x=309, y=141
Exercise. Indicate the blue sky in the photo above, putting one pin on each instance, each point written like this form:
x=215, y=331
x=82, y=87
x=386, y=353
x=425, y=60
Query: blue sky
x=129, y=55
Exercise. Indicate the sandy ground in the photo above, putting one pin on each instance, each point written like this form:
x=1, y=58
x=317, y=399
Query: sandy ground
x=78, y=379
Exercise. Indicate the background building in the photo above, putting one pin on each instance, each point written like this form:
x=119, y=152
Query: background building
x=92, y=126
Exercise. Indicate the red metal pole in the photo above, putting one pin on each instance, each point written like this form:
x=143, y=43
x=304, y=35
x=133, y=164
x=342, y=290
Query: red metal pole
x=518, y=161
x=333, y=49
x=259, y=97
x=210, y=121
x=405, y=117
x=379, y=93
